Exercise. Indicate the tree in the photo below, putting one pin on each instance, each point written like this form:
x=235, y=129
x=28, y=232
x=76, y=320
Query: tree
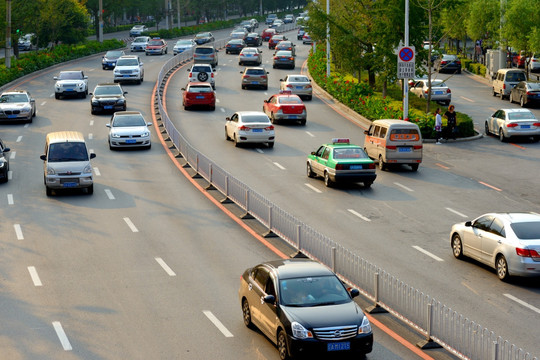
x=62, y=20
x=518, y=29
x=483, y=21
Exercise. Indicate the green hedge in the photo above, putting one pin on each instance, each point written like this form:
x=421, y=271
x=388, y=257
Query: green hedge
x=37, y=60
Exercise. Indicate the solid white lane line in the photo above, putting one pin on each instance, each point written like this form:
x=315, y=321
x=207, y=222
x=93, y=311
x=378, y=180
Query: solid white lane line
x=279, y=166
x=43, y=103
x=91, y=122
x=109, y=194
x=403, y=186
x=18, y=232
x=259, y=151
x=313, y=188
x=456, y=212
x=464, y=98
x=90, y=136
x=62, y=335
x=19, y=139
x=10, y=199
x=96, y=171
x=310, y=134
x=10, y=175
x=130, y=224
x=165, y=267
x=12, y=156
x=34, y=275
x=218, y=323
x=521, y=302
x=427, y=253
x=359, y=215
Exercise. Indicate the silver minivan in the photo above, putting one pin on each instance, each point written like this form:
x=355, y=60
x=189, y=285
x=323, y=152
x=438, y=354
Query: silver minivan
x=66, y=162
x=505, y=80
x=394, y=142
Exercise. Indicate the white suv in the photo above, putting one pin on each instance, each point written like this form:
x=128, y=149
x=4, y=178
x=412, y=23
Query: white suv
x=71, y=83
x=202, y=73
x=129, y=68
x=140, y=43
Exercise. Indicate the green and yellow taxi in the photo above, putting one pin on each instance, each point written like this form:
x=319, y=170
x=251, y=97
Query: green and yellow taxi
x=341, y=161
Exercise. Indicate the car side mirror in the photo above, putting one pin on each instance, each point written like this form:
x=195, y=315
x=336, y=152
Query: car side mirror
x=241, y=72
x=43, y=157
x=313, y=153
x=269, y=299
x=7, y=150
x=141, y=64
x=265, y=101
x=148, y=124
x=267, y=72
x=85, y=77
x=183, y=89
x=355, y=293
x=32, y=100
x=468, y=223
x=366, y=132
x=55, y=78
x=92, y=155
x=125, y=92
x=228, y=118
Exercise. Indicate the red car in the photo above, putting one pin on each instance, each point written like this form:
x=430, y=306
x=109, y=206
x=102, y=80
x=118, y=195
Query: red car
x=268, y=33
x=156, y=46
x=199, y=94
x=274, y=40
x=520, y=59
x=285, y=106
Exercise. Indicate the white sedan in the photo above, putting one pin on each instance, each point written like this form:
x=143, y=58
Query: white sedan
x=129, y=129
x=250, y=127
x=507, y=123
x=440, y=92
x=297, y=84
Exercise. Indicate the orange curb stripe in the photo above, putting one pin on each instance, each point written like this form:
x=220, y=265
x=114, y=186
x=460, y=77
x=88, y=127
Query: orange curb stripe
x=518, y=146
x=204, y=191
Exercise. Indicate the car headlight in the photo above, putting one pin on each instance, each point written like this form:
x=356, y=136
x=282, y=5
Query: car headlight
x=145, y=134
x=50, y=171
x=87, y=169
x=365, y=327
x=25, y=110
x=95, y=102
x=299, y=331
x=2, y=164
x=135, y=71
x=116, y=72
x=121, y=101
x=115, y=135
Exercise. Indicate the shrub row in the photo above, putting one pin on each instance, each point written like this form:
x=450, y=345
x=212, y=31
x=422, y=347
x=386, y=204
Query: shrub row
x=364, y=100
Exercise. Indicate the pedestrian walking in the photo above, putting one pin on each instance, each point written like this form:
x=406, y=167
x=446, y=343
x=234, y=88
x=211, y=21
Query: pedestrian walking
x=438, y=125
x=451, y=123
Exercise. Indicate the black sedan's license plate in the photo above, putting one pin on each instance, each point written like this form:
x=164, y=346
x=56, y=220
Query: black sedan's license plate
x=338, y=346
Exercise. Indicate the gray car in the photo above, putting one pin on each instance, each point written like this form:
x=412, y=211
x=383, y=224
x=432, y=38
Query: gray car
x=297, y=84
x=250, y=55
x=17, y=105
x=440, y=92
x=205, y=55
x=508, y=123
x=283, y=58
x=254, y=77
x=507, y=242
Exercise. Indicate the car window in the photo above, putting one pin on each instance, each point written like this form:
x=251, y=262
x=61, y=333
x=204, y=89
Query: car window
x=70, y=76
x=107, y=90
x=200, y=89
x=204, y=51
x=527, y=230
x=114, y=53
x=483, y=223
x=326, y=153
x=270, y=288
x=299, y=78
x=261, y=277
x=376, y=131
x=383, y=132
x=313, y=291
x=128, y=120
x=67, y=151
x=290, y=100
x=404, y=134
x=201, y=69
x=521, y=115
x=497, y=227
x=255, y=118
x=127, y=62
x=349, y=153
x=13, y=98
x=515, y=76
x=255, y=72
x=155, y=42
x=319, y=151
x=534, y=86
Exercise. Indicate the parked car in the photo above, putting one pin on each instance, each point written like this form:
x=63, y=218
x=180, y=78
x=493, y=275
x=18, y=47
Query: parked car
x=137, y=30
x=108, y=61
x=206, y=54
x=508, y=123
x=448, y=64
x=183, y=45
x=4, y=162
x=526, y=93
x=71, y=83
x=129, y=68
x=129, y=129
x=283, y=58
x=285, y=107
x=139, y=43
x=268, y=33
x=305, y=309
x=250, y=55
x=202, y=73
x=286, y=45
x=297, y=84
x=254, y=77
x=253, y=39
x=505, y=80
x=274, y=40
x=156, y=46
x=17, y=105
x=200, y=94
x=507, y=242
x=203, y=38
x=341, y=161
x=440, y=92
x=234, y=46
x=534, y=63
x=108, y=97
x=249, y=127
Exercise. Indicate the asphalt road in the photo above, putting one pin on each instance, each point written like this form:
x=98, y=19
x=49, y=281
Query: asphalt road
x=405, y=217
x=145, y=268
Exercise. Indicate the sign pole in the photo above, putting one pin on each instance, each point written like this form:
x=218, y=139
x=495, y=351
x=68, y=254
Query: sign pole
x=406, y=80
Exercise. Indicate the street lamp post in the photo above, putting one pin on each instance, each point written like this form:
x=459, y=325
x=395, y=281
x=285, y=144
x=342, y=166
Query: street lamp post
x=100, y=31
x=406, y=81
x=327, y=39
x=8, y=34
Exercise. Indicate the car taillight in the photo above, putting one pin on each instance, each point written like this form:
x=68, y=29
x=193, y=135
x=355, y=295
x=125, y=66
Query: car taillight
x=212, y=75
x=340, y=167
x=308, y=86
x=512, y=125
x=371, y=166
x=504, y=86
x=448, y=91
x=245, y=76
x=458, y=62
x=271, y=127
x=244, y=128
x=263, y=77
x=275, y=57
x=527, y=253
x=537, y=124
x=425, y=91
x=443, y=62
x=190, y=74
x=391, y=147
x=291, y=58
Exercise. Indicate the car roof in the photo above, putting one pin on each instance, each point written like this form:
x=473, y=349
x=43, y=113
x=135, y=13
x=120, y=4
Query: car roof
x=394, y=122
x=516, y=216
x=297, y=267
x=250, y=112
x=15, y=92
x=129, y=57
x=199, y=83
x=108, y=84
x=287, y=95
x=515, y=110
x=510, y=69
x=64, y=136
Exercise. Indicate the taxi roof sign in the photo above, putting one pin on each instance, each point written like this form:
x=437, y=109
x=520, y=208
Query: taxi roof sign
x=341, y=141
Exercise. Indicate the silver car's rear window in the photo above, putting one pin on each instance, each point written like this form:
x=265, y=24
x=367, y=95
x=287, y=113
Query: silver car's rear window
x=521, y=115
x=255, y=118
x=527, y=230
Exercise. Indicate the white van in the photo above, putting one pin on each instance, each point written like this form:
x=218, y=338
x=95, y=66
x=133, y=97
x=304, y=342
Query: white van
x=505, y=80
x=66, y=162
x=394, y=142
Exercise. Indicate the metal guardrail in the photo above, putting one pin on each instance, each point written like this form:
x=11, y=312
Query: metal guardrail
x=439, y=323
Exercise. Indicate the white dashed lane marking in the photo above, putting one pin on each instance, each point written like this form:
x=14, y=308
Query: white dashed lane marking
x=217, y=323
x=403, y=186
x=62, y=336
x=34, y=275
x=456, y=212
x=313, y=188
x=523, y=303
x=358, y=215
x=18, y=232
x=427, y=253
x=131, y=225
x=165, y=267
x=10, y=199
x=109, y=194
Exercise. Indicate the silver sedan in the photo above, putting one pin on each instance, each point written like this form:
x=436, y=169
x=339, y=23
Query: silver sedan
x=507, y=123
x=440, y=92
x=250, y=127
x=250, y=55
x=507, y=242
x=297, y=84
x=129, y=129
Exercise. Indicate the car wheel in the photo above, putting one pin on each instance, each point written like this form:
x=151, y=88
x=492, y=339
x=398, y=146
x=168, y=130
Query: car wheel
x=236, y=144
x=110, y=146
x=303, y=122
x=246, y=314
x=48, y=191
x=309, y=97
x=368, y=184
x=502, y=268
x=34, y=113
x=265, y=87
x=522, y=102
x=273, y=118
x=309, y=171
x=270, y=145
x=494, y=92
x=501, y=95
x=90, y=189
x=501, y=135
x=56, y=96
x=414, y=167
x=457, y=246
x=282, y=345
x=486, y=129
x=227, y=135
x=382, y=165
x=327, y=181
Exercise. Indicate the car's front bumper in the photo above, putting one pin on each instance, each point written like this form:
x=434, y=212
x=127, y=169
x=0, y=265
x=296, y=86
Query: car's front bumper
x=361, y=344
x=67, y=182
x=129, y=141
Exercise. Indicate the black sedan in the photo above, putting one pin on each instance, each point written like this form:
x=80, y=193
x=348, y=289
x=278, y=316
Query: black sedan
x=283, y=58
x=526, y=93
x=4, y=162
x=448, y=64
x=234, y=46
x=108, y=97
x=203, y=38
x=304, y=308
x=253, y=39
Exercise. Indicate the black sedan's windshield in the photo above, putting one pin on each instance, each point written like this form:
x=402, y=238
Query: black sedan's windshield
x=313, y=291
